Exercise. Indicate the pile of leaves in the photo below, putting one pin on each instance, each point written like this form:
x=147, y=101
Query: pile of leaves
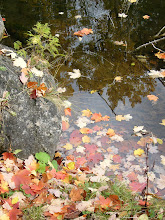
x=36, y=188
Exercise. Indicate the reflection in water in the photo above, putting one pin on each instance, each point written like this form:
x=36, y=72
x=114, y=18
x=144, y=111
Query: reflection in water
x=97, y=57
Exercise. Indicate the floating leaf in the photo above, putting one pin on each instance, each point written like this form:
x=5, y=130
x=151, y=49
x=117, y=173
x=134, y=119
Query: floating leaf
x=163, y=122
x=146, y=16
x=152, y=98
x=84, y=31
x=138, y=152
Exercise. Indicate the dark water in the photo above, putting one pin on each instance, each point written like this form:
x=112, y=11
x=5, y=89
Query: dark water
x=97, y=57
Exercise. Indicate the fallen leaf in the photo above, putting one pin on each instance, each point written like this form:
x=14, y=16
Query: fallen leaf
x=76, y=194
x=152, y=98
x=37, y=72
x=110, y=132
x=118, y=78
x=84, y=31
x=65, y=125
x=96, y=117
x=19, y=62
x=86, y=131
x=32, y=85
x=118, y=43
x=163, y=122
x=86, y=139
x=68, y=146
x=146, y=16
x=160, y=55
x=122, y=15
x=86, y=113
x=67, y=111
x=93, y=91
x=139, y=152
x=75, y=74
x=162, y=160
x=119, y=118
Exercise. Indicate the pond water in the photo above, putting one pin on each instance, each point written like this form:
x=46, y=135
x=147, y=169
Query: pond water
x=98, y=57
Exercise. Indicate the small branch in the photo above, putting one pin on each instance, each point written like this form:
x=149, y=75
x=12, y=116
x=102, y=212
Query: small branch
x=160, y=32
x=151, y=42
x=158, y=48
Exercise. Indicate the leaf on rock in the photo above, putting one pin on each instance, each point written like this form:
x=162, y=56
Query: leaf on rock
x=23, y=78
x=67, y=111
x=32, y=85
x=65, y=125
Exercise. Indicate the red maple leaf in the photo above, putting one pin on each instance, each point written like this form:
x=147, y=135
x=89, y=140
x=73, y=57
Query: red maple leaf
x=13, y=213
x=21, y=177
x=137, y=187
x=7, y=155
x=91, y=148
x=80, y=161
x=117, y=158
x=95, y=158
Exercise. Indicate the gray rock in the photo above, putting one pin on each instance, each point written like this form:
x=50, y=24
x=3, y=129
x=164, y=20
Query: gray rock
x=37, y=125
x=2, y=28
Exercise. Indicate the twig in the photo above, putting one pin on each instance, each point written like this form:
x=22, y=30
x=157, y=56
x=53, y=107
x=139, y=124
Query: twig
x=151, y=42
x=160, y=31
x=158, y=48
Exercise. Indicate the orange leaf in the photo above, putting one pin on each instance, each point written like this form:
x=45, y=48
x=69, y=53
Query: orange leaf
x=105, y=118
x=86, y=131
x=104, y=203
x=146, y=16
x=84, y=31
x=152, y=98
x=160, y=55
x=32, y=85
x=76, y=194
x=67, y=111
x=96, y=117
x=7, y=155
x=65, y=125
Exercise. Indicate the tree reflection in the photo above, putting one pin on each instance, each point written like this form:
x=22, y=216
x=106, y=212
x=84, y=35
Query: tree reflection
x=97, y=57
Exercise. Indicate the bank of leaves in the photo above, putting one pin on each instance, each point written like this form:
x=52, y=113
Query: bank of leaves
x=38, y=188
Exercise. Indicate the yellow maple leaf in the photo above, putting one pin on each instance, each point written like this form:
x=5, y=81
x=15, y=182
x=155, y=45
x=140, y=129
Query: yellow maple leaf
x=68, y=146
x=14, y=200
x=86, y=113
x=71, y=165
x=114, y=167
x=57, y=154
x=85, y=130
x=118, y=78
x=93, y=91
x=119, y=118
x=110, y=132
x=86, y=139
x=163, y=122
x=4, y=217
x=138, y=152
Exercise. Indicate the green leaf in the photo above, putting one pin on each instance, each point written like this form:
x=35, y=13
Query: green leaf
x=159, y=141
x=41, y=168
x=160, y=216
x=43, y=157
x=55, y=164
x=13, y=113
x=3, y=68
x=17, y=151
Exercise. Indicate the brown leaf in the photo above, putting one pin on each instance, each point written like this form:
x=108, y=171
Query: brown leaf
x=76, y=194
